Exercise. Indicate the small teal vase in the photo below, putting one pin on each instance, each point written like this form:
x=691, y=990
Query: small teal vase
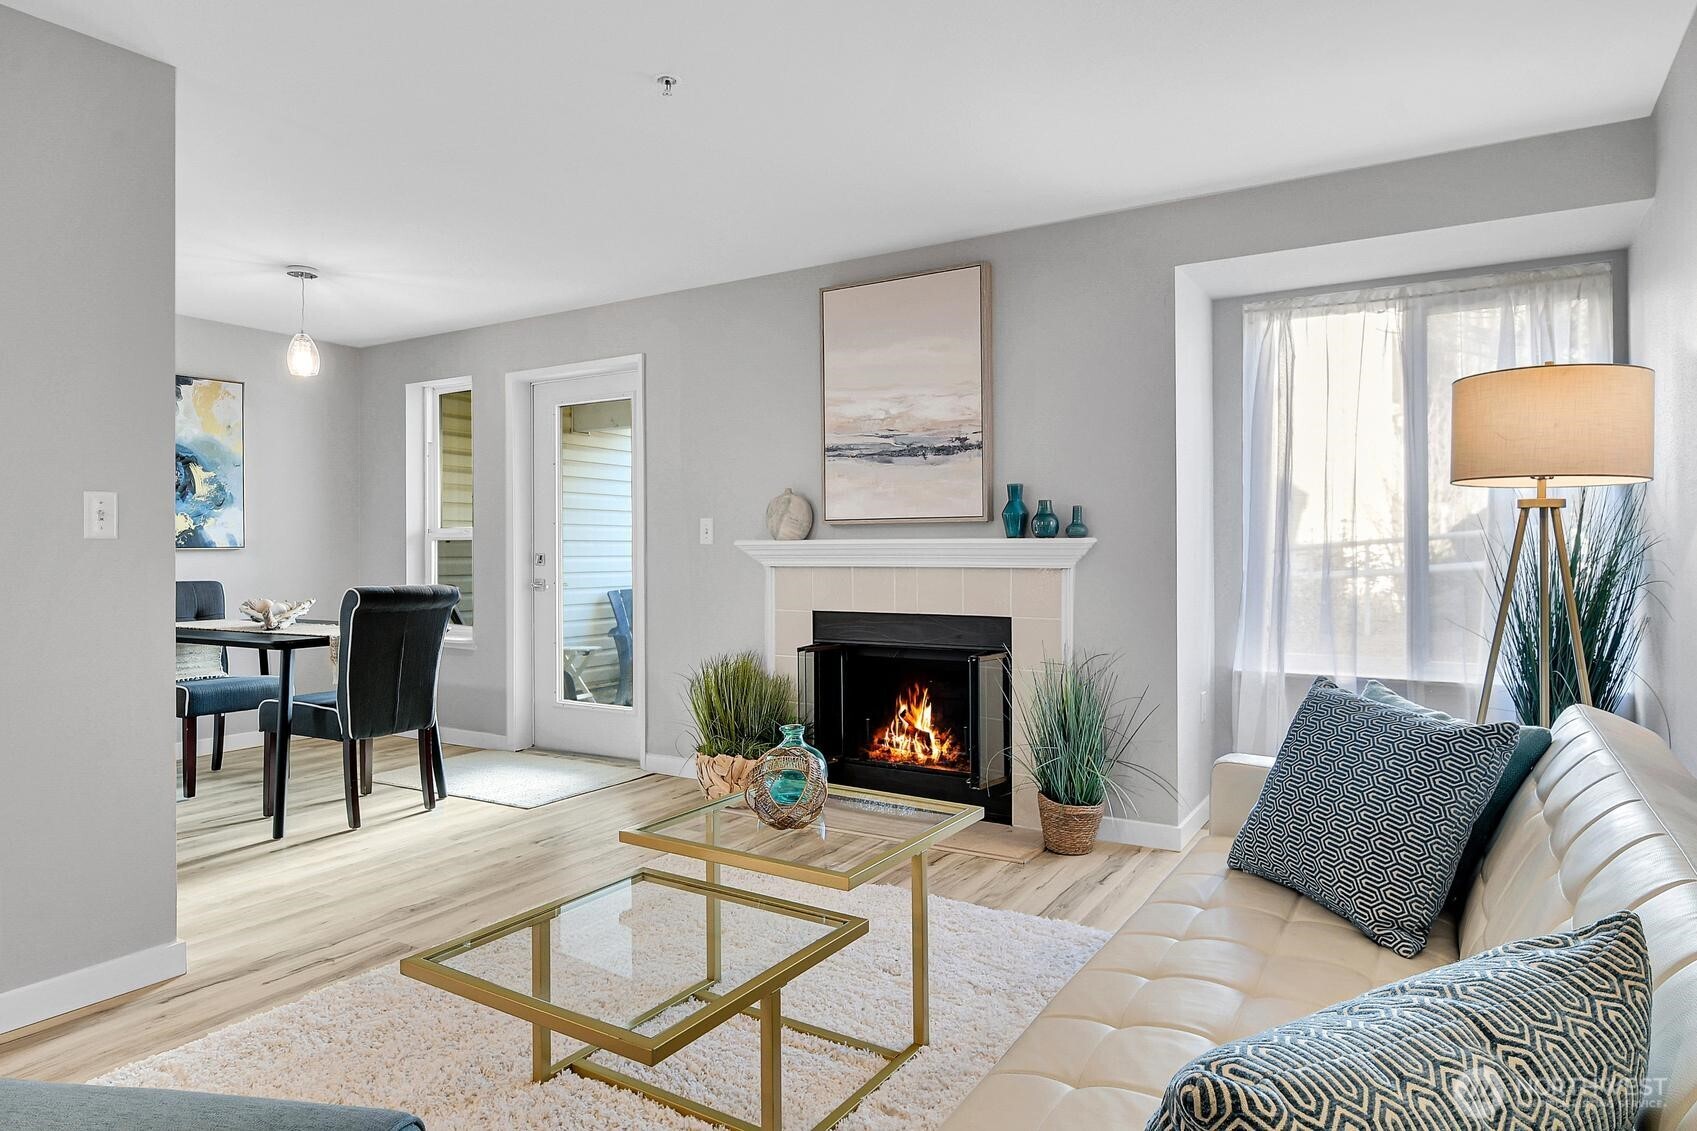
x=1014, y=514
x=795, y=738
x=1045, y=523
x=1076, y=528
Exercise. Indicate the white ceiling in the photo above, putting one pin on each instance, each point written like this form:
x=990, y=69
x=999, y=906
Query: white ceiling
x=450, y=163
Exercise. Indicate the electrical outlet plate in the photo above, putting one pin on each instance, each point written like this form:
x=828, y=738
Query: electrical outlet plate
x=706, y=532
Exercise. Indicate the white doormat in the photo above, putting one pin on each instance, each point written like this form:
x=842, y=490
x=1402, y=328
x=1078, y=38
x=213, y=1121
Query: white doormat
x=383, y=1040
x=523, y=779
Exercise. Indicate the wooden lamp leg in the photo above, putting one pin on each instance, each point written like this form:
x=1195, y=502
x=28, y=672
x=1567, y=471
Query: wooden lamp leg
x=1502, y=615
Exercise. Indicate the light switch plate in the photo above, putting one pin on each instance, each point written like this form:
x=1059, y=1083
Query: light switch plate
x=100, y=514
x=706, y=532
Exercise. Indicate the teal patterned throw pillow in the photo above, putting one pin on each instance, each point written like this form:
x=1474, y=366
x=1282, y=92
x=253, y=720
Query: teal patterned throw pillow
x=1367, y=809
x=1544, y=1033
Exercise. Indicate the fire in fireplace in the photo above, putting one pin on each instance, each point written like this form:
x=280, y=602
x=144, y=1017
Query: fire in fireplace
x=914, y=737
x=913, y=703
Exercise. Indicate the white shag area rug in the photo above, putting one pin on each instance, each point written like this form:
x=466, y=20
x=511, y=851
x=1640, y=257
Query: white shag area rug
x=522, y=779
x=383, y=1040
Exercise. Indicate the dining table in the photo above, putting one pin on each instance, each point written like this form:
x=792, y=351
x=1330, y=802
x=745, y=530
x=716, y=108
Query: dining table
x=285, y=642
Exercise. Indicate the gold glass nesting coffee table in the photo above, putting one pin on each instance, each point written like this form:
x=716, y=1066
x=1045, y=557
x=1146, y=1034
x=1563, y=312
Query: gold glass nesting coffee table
x=860, y=835
x=604, y=967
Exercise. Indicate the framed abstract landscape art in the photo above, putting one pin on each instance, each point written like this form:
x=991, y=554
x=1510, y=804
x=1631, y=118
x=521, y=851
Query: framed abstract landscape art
x=209, y=464
x=906, y=381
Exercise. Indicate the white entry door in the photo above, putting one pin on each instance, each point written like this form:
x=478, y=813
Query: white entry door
x=586, y=563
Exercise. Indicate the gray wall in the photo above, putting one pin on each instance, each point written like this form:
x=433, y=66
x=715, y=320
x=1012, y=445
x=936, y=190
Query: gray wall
x=302, y=483
x=87, y=814
x=1084, y=351
x=1664, y=337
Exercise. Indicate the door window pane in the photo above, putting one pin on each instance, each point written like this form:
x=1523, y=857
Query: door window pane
x=595, y=583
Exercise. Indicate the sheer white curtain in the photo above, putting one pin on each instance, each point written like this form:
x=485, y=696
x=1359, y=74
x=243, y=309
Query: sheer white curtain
x=1361, y=561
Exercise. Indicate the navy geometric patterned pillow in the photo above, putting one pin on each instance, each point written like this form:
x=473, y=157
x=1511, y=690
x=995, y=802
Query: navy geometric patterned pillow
x=1543, y=1033
x=1367, y=809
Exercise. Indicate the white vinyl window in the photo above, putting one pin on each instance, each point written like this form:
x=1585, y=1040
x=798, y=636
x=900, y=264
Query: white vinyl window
x=448, y=540
x=1361, y=560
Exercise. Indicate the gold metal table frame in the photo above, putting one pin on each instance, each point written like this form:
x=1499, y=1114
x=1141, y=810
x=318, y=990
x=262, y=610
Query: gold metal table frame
x=759, y=996
x=950, y=818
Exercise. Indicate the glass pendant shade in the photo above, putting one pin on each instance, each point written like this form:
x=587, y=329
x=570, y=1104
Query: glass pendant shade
x=303, y=356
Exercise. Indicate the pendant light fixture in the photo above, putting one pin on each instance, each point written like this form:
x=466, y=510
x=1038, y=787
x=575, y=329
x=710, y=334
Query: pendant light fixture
x=303, y=351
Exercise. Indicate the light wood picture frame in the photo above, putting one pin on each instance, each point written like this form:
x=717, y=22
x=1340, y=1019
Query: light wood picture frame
x=905, y=380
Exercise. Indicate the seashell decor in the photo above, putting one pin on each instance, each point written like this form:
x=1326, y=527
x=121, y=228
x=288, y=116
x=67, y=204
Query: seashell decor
x=275, y=614
x=789, y=517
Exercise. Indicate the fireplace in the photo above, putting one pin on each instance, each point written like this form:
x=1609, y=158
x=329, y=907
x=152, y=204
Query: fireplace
x=913, y=703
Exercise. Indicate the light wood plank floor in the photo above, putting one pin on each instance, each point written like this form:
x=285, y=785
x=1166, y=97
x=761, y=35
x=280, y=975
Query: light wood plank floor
x=266, y=921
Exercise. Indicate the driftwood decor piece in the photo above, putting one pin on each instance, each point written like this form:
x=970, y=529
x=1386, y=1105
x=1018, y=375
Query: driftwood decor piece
x=275, y=614
x=789, y=517
x=721, y=775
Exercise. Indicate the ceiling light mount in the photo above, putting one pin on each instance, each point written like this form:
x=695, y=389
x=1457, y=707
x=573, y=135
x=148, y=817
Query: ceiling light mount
x=668, y=83
x=302, y=355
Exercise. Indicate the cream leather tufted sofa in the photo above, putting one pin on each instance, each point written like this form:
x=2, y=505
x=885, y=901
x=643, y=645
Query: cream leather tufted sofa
x=1608, y=820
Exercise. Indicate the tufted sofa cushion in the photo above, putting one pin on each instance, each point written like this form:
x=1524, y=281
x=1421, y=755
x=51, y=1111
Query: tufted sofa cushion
x=1606, y=821
x=1214, y=955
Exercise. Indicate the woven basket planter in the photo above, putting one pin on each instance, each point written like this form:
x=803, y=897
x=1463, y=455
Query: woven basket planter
x=721, y=775
x=1069, y=830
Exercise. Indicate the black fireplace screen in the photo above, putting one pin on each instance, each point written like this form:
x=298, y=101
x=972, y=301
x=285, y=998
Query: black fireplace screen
x=910, y=693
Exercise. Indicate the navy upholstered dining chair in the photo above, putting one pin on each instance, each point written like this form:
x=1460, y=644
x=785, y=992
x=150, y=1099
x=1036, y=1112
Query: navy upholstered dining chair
x=204, y=683
x=389, y=654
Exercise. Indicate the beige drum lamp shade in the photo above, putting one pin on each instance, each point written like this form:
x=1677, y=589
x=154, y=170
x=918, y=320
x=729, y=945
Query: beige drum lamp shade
x=1568, y=425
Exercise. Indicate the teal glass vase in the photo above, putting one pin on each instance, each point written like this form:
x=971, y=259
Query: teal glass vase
x=787, y=789
x=1014, y=514
x=1045, y=523
x=1076, y=528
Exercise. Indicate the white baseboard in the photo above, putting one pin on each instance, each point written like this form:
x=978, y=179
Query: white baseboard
x=65, y=993
x=677, y=765
x=1149, y=834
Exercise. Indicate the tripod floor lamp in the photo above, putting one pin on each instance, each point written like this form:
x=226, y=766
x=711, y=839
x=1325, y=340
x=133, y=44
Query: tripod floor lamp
x=1542, y=427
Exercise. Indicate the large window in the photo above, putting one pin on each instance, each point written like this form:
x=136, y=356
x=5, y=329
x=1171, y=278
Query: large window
x=448, y=496
x=1361, y=560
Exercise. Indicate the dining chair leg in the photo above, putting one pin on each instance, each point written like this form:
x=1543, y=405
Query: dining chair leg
x=190, y=728
x=270, y=767
x=436, y=762
x=365, y=765
x=426, y=772
x=350, y=779
x=217, y=743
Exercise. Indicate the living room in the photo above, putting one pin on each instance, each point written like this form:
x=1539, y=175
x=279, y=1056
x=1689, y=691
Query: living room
x=1025, y=406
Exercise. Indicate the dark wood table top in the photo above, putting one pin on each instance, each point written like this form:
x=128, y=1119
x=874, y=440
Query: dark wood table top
x=256, y=637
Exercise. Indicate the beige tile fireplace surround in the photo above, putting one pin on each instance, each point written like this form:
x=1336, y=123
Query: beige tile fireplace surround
x=1029, y=581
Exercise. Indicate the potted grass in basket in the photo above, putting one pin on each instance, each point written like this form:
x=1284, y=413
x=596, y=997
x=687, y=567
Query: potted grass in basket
x=1079, y=732
x=737, y=707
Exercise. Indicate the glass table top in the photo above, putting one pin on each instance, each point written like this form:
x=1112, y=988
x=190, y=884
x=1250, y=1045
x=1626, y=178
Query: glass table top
x=859, y=835
x=629, y=967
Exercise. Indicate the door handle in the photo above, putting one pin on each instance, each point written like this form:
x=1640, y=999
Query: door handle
x=540, y=584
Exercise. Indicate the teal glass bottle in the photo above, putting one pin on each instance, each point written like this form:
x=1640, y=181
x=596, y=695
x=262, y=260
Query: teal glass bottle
x=1014, y=514
x=1045, y=523
x=787, y=788
x=1076, y=528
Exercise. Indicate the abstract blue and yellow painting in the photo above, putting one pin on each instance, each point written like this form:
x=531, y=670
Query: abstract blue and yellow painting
x=209, y=464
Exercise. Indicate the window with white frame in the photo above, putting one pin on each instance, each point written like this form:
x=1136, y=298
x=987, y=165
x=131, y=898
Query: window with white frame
x=1361, y=560
x=448, y=518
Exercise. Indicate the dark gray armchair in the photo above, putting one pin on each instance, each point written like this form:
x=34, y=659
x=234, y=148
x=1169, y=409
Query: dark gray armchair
x=217, y=695
x=391, y=649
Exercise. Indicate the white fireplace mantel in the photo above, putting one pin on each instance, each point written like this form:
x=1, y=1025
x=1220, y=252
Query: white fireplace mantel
x=921, y=553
